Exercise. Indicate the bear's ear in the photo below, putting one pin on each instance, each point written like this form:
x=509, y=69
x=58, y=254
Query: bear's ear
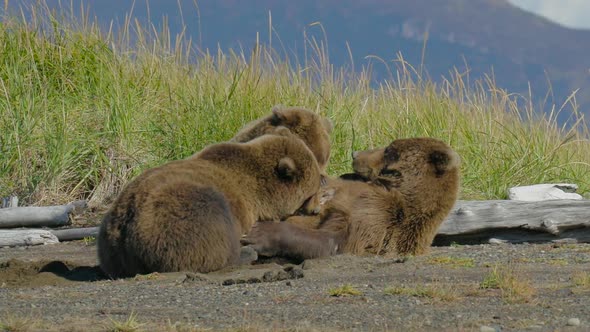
x=277, y=118
x=444, y=160
x=390, y=154
x=286, y=169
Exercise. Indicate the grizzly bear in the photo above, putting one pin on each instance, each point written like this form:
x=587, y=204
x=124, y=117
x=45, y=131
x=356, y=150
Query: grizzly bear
x=391, y=205
x=190, y=214
x=312, y=128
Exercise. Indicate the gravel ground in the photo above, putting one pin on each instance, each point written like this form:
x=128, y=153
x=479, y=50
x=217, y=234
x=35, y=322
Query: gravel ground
x=540, y=287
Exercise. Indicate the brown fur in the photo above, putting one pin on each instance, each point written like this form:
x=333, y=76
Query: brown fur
x=407, y=190
x=312, y=128
x=190, y=214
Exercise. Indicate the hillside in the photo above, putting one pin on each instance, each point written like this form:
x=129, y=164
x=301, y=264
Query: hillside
x=83, y=111
x=486, y=36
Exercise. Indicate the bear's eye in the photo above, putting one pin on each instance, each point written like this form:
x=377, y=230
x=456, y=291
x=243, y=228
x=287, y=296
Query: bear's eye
x=390, y=172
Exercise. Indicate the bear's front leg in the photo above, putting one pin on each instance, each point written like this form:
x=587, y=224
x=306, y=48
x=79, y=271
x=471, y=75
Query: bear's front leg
x=288, y=240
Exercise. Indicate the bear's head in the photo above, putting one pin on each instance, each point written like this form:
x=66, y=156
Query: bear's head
x=310, y=127
x=281, y=169
x=421, y=176
x=410, y=166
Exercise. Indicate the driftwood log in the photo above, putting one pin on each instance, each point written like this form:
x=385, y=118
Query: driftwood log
x=26, y=237
x=71, y=234
x=38, y=216
x=470, y=222
x=505, y=221
x=31, y=237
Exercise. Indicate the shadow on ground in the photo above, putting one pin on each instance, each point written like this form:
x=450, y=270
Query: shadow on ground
x=21, y=273
x=18, y=273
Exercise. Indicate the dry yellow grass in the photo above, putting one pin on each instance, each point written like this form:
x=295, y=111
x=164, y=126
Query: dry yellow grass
x=452, y=262
x=433, y=291
x=514, y=287
x=345, y=290
x=13, y=323
x=581, y=279
x=83, y=111
x=131, y=324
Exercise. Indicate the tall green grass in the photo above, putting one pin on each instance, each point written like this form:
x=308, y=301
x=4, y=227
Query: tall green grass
x=83, y=110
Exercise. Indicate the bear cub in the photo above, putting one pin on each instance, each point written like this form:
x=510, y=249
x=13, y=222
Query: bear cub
x=310, y=127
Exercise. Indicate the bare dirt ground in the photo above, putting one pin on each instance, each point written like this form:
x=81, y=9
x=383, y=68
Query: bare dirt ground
x=542, y=287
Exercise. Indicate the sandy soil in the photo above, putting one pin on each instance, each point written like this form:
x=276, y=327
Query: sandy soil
x=542, y=287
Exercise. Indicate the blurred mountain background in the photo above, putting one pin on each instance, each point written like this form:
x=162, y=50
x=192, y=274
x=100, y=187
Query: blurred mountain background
x=519, y=50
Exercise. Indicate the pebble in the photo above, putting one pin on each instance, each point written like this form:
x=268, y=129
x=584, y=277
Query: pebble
x=484, y=328
x=495, y=241
x=573, y=322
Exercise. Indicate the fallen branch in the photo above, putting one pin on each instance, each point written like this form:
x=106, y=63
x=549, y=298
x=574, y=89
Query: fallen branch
x=71, y=234
x=37, y=216
x=26, y=237
x=516, y=221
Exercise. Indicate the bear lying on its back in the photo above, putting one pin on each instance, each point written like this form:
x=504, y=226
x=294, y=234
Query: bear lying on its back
x=404, y=193
x=190, y=214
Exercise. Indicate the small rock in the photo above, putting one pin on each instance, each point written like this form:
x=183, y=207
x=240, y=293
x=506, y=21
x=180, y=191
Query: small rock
x=484, y=328
x=228, y=282
x=295, y=273
x=535, y=327
x=402, y=259
x=268, y=276
x=497, y=241
x=247, y=255
x=543, y=192
x=194, y=277
x=573, y=322
x=254, y=280
x=288, y=283
x=282, y=275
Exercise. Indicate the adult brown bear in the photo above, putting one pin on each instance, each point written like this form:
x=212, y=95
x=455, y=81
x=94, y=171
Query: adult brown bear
x=190, y=214
x=406, y=191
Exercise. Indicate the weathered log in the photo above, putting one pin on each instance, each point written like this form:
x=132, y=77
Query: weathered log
x=71, y=234
x=10, y=201
x=26, y=237
x=36, y=216
x=470, y=222
x=516, y=222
